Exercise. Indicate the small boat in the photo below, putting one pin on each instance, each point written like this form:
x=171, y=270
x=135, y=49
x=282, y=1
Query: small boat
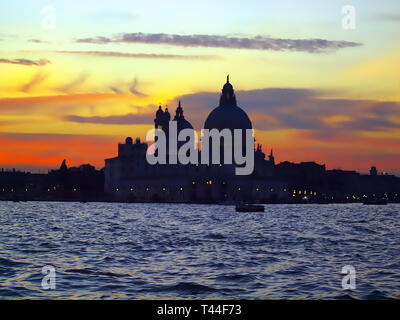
x=375, y=201
x=242, y=207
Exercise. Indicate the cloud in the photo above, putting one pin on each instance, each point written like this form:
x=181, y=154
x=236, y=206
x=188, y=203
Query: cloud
x=302, y=109
x=74, y=84
x=26, y=62
x=53, y=105
x=37, y=41
x=124, y=87
x=134, y=91
x=385, y=108
x=38, y=78
x=126, y=119
x=266, y=107
x=279, y=109
x=138, y=55
x=220, y=41
x=116, y=90
x=96, y=40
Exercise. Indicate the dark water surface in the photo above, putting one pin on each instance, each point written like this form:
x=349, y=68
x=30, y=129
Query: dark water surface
x=145, y=251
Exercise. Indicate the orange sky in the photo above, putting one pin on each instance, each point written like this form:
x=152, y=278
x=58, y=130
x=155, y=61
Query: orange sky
x=74, y=91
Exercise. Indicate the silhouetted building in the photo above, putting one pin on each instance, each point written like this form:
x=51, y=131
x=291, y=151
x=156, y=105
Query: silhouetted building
x=130, y=177
x=84, y=183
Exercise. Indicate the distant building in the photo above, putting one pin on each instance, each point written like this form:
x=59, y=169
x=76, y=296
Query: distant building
x=130, y=177
x=83, y=183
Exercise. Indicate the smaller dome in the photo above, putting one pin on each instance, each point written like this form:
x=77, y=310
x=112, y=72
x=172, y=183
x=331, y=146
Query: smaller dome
x=129, y=140
x=182, y=123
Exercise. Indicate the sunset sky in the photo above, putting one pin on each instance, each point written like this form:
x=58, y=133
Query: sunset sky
x=314, y=90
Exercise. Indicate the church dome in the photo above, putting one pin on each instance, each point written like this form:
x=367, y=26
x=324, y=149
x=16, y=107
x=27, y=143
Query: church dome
x=183, y=124
x=224, y=117
x=228, y=115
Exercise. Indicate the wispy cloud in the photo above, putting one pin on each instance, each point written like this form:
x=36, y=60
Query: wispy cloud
x=221, y=41
x=126, y=119
x=128, y=87
x=38, y=41
x=133, y=89
x=26, y=62
x=137, y=55
x=74, y=84
x=302, y=109
x=54, y=105
x=38, y=78
x=97, y=40
x=279, y=109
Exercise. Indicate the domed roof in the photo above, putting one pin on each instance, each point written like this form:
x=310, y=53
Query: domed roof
x=183, y=124
x=129, y=140
x=228, y=115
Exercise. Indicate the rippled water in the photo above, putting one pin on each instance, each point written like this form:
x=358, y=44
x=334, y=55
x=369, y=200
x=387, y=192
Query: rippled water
x=146, y=251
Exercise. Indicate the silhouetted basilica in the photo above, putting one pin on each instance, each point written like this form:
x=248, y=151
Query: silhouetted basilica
x=130, y=177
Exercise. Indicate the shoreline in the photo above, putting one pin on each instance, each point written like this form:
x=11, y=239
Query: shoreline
x=166, y=202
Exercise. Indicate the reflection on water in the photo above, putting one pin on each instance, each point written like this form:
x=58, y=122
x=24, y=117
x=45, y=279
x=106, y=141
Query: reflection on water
x=143, y=251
